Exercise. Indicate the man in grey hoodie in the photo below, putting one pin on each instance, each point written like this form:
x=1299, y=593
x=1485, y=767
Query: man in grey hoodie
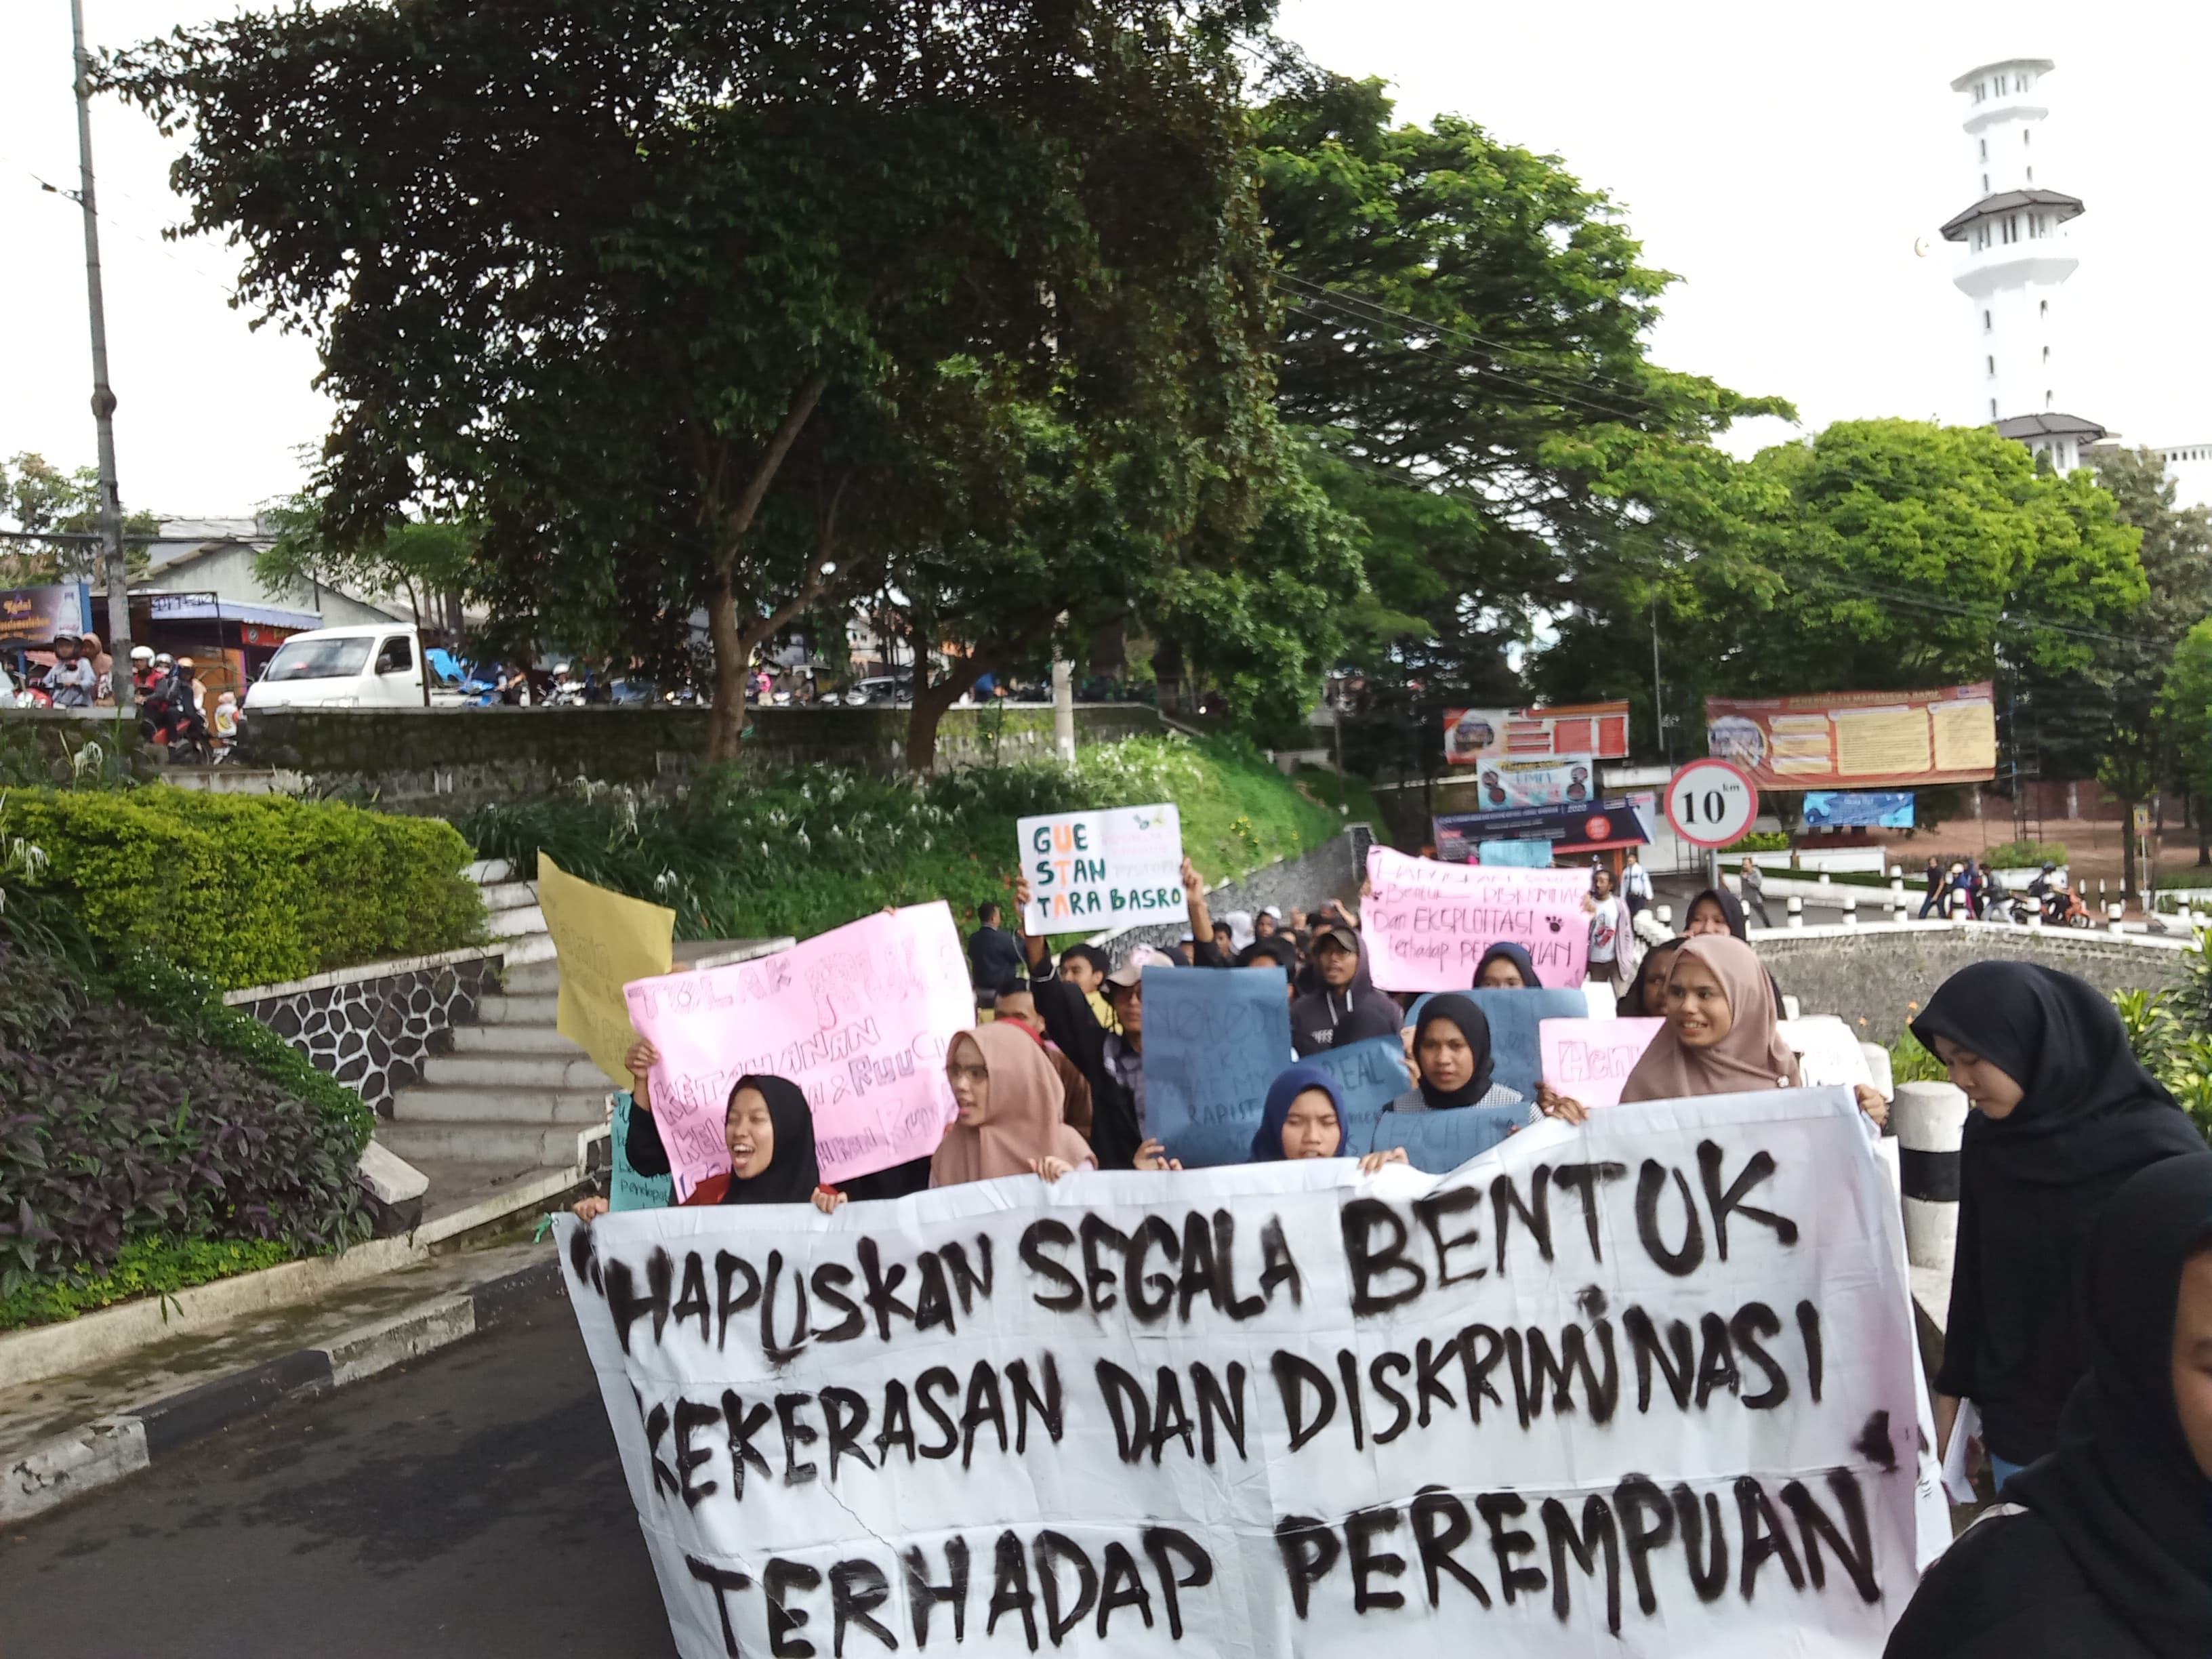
x=1348, y=1008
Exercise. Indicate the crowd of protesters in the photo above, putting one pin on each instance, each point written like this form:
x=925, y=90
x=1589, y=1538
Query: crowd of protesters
x=2080, y=1325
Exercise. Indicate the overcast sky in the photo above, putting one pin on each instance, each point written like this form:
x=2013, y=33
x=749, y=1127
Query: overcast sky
x=1783, y=161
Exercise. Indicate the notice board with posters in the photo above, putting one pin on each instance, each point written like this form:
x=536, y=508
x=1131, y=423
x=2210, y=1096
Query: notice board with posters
x=1473, y=736
x=1589, y=826
x=1858, y=739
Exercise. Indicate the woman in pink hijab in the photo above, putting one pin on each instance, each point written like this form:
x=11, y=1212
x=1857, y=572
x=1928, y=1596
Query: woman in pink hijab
x=1011, y=1116
x=1720, y=1036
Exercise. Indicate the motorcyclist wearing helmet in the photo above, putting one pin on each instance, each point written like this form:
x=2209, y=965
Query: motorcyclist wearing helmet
x=71, y=680
x=143, y=676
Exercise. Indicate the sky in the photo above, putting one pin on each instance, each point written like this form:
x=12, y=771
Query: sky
x=1784, y=161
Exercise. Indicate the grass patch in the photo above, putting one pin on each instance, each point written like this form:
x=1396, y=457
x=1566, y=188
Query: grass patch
x=143, y=1266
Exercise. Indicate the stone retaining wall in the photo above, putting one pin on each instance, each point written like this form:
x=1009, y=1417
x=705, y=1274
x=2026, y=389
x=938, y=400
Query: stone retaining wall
x=1877, y=973
x=372, y=1027
x=424, y=759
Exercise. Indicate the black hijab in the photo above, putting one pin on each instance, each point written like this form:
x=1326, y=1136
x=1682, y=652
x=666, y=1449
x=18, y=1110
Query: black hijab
x=2087, y=1109
x=1518, y=956
x=1474, y=1026
x=2123, y=1491
x=793, y=1173
x=1731, y=907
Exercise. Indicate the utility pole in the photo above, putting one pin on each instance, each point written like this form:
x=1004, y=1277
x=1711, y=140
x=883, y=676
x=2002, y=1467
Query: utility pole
x=1063, y=704
x=1658, y=705
x=103, y=395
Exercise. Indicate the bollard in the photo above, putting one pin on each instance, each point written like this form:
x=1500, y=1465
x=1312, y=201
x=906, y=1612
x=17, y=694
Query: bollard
x=1896, y=872
x=1877, y=1059
x=1824, y=878
x=2113, y=912
x=1796, y=911
x=1930, y=1119
x=1851, y=910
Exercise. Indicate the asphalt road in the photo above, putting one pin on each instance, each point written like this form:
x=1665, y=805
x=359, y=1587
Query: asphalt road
x=470, y=1505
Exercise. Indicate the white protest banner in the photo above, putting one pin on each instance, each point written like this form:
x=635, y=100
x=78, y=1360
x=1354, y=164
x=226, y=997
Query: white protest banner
x=1589, y=1060
x=1643, y=1387
x=1827, y=1050
x=1427, y=924
x=858, y=1017
x=1119, y=866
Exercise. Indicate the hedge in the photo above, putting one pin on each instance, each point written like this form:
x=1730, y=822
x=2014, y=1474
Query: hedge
x=249, y=889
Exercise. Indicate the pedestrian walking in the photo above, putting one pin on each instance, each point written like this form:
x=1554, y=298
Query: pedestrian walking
x=1454, y=1066
x=2105, y=1546
x=1935, y=887
x=1754, y=891
x=1011, y=1115
x=2064, y=1114
x=1635, y=883
x=1302, y=1117
x=992, y=952
x=1506, y=966
x=1612, y=944
x=1344, y=1007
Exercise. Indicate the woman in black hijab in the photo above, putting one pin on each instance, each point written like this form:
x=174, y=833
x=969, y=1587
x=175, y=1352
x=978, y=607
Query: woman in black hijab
x=2104, y=1547
x=2064, y=1116
x=770, y=1131
x=1715, y=910
x=1452, y=1059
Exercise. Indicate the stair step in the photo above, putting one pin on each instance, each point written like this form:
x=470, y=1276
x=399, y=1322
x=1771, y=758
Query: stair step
x=516, y=923
x=551, y=1146
x=528, y=950
x=533, y=1008
x=487, y=873
x=509, y=895
x=512, y=1039
x=540, y=1070
x=431, y=1103
x=533, y=975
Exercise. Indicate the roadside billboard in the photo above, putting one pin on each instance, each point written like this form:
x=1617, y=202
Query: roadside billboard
x=1858, y=739
x=1476, y=736
x=32, y=615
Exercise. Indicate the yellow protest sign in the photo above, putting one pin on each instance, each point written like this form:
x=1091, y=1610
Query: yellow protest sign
x=604, y=940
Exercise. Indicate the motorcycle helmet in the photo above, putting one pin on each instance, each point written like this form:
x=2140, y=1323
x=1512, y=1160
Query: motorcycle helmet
x=184, y=663
x=163, y=660
x=142, y=654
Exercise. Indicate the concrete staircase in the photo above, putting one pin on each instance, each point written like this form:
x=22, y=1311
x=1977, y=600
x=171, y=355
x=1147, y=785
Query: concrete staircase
x=513, y=1108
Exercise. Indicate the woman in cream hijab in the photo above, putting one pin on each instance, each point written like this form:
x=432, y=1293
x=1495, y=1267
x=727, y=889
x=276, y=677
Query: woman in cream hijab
x=1011, y=1119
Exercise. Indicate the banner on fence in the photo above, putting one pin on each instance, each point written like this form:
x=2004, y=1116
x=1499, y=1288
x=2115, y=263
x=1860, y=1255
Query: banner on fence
x=1646, y=1387
x=1858, y=739
x=858, y=1017
x=1213, y=1042
x=1427, y=924
x=1589, y=1060
x=1858, y=809
x=1102, y=869
x=1569, y=828
x=603, y=940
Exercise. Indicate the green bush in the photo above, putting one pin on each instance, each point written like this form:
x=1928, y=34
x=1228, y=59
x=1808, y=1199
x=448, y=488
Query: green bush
x=1911, y=1062
x=143, y=1266
x=1759, y=841
x=2024, y=854
x=249, y=889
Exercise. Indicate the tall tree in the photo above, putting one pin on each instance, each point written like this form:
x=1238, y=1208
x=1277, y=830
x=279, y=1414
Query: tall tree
x=37, y=500
x=428, y=562
x=1465, y=343
x=662, y=294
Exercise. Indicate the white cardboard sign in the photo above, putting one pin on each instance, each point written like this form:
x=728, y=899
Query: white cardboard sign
x=1643, y=1388
x=1102, y=869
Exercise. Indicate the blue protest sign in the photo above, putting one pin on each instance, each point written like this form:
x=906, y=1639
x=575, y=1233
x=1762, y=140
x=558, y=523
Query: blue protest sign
x=1371, y=1074
x=626, y=1188
x=1515, y=1017
x=1214, y=1040
x=1436, y=1142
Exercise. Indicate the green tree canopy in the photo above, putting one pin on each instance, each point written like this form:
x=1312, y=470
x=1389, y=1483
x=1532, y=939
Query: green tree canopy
x=675, y=300
x=37, y=500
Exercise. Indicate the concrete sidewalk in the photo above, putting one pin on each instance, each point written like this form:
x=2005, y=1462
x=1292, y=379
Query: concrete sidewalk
x=64, y=1435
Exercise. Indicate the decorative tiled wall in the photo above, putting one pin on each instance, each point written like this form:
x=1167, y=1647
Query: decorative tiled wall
x=373, y=1033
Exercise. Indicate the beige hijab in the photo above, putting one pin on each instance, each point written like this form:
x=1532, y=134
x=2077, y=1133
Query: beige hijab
x=1026, y=1120
x=1753, y=1056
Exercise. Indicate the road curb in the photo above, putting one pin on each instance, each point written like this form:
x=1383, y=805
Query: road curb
x=109, y=1447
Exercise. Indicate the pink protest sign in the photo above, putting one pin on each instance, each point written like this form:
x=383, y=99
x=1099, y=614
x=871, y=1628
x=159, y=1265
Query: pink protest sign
x=1588, y=1060
x=858, y=1017
x=1427, y=924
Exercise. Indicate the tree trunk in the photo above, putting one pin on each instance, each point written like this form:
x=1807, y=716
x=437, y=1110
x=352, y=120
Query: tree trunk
x=930, y=704
x=725, y=721
x=2127, y=849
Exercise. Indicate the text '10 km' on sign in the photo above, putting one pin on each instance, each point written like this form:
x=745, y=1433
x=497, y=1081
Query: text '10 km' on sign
x=1710, y=802
x=1102, y=869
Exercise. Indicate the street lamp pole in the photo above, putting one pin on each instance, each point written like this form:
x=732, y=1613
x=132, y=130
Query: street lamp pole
x=103, y=395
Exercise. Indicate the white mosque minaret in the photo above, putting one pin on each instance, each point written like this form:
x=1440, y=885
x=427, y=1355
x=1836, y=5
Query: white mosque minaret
x=2017, y=261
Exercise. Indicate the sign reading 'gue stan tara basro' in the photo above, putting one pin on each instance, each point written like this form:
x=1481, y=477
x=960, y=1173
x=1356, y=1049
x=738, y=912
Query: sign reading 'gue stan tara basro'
x=1646, y=1387
x=1122, y=865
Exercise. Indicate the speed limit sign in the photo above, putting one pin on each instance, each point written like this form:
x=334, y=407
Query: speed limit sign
x=1710, y=802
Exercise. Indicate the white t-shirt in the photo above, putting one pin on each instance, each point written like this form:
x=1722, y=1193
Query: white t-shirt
x=1605, y=930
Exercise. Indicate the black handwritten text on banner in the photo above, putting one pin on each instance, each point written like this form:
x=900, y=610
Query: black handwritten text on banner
x=1643, y=1388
